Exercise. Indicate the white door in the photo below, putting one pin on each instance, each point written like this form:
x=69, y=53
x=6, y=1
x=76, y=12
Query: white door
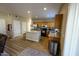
x=2, y=26
x=16, y=28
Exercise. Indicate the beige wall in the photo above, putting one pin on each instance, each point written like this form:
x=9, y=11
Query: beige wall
x=9, y=19
x=64, y=11
x=29, y=23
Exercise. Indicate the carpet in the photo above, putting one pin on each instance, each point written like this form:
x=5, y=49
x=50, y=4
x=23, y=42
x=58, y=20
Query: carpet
x=5, y=54
x=33, y=52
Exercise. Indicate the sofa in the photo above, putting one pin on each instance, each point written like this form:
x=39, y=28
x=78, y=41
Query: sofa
x=2, y=42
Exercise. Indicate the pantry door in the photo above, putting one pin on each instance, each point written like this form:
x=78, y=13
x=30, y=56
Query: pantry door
x=16, y=28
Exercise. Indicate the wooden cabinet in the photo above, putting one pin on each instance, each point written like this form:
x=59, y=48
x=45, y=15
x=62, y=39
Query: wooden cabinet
x=50, y=24
x=58, y=20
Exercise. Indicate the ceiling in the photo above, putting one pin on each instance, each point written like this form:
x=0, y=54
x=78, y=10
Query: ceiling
x=36, y=9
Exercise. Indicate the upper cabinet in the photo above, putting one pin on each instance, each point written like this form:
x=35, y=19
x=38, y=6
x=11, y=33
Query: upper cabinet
x=58, y=21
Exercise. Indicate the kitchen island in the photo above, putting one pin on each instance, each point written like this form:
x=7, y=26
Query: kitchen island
x=33, y=35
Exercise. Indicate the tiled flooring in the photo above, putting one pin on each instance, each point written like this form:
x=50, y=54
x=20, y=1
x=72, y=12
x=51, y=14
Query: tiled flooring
x=16, y=46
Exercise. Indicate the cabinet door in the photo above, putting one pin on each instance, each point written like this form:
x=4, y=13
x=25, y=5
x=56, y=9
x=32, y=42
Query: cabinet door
x=58, y=20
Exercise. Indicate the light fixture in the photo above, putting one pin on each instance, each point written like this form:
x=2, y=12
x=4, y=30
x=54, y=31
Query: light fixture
x=28, y=12
x=44, y=8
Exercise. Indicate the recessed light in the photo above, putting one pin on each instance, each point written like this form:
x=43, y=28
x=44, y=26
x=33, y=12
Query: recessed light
x=45, y=8
x=28, y=12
